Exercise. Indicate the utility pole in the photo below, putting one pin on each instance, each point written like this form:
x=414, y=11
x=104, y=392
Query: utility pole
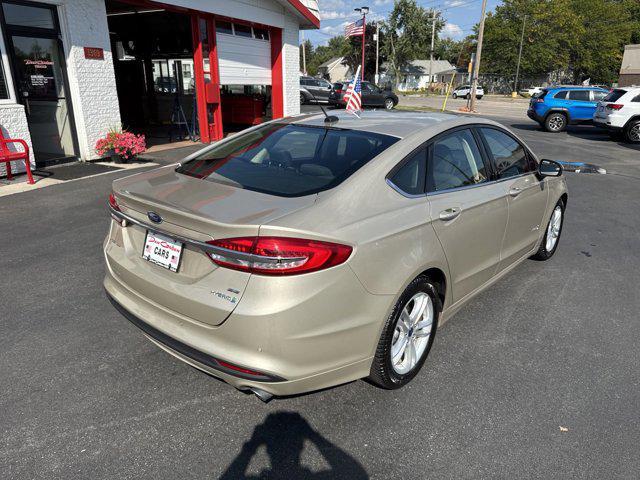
x=377, y=77
x=515, y=82
x=304, y=55
x=433, y=38
x=476, y=66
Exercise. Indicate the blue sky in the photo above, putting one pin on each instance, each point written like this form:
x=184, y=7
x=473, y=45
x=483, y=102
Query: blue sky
x=461, y=15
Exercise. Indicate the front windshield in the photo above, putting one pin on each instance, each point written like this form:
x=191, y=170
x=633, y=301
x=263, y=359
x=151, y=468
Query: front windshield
x=287, y=159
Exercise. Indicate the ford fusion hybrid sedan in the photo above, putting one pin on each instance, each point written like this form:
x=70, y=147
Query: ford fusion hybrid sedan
x=311, y=251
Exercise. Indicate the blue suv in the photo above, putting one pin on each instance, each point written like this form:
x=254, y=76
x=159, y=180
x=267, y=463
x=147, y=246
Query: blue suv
x=556, y=107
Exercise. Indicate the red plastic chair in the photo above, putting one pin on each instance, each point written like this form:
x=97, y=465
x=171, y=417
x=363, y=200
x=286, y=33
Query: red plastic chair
x=7, y=156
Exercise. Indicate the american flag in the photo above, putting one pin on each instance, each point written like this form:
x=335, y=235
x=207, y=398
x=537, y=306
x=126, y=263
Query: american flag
x=353, y=95
x=354, y=29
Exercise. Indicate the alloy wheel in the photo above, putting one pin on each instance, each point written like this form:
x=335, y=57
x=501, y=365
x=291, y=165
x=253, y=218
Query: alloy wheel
x=553, y=230
x=556, y=123
x=411, y=335
x=388, y=104
x=634, y=133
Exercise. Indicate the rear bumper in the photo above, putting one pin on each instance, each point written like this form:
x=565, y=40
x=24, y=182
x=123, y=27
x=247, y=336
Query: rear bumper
x=610, y=122
x=301, y=336
x=533, y=115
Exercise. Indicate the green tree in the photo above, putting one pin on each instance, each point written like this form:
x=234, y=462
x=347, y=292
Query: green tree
x=581, y=38
x=407, y=34
x=336, y=47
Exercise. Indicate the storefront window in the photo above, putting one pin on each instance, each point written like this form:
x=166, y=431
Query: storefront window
x=28, y=16
x=4, y=91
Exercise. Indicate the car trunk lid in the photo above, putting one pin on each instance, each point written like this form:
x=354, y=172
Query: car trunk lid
x=199, y=211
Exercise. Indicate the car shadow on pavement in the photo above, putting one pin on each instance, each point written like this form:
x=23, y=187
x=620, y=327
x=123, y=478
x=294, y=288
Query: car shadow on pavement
x=284, y=434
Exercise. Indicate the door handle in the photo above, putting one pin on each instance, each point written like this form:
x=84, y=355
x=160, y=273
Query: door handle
x=515, y=191
x=450, y=213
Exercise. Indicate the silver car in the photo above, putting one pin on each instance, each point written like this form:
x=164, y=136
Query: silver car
x=309, y=251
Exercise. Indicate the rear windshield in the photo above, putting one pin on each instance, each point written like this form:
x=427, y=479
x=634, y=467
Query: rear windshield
x=614, y=95
x=541, y=94
x=288, y=160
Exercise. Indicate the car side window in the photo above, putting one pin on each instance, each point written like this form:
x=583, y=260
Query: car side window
x=598, y=95
x=410, y=177
x=455, y=161
x=636, y=99
x=561, y=95
x=509, y=157
x=579, y=95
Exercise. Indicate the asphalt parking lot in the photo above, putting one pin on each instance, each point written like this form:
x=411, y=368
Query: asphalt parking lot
x=536, y=378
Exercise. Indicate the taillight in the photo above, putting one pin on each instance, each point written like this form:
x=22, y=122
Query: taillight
x=278, y=255
x=113, y=203
x=114, y=206
x=615, y=106
x=339, y=91
x=539, y=100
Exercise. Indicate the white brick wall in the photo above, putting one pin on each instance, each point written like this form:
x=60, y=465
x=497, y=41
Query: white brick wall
x=13, y=122
x=291, y=65
x=92, y=82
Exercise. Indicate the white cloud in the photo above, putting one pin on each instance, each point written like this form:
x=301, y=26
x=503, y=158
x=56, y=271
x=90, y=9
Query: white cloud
x=455, y=3
x=451, y=30
x=332, y=14
x=335, y=29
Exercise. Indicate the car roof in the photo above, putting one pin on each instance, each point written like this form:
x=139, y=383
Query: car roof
x=576, y=87
x=396, y=123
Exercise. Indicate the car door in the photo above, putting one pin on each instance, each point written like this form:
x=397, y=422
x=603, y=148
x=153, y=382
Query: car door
x=370, y=96
x=526, y=195
x=324, y=89
x=467, y=210
x=582, y=106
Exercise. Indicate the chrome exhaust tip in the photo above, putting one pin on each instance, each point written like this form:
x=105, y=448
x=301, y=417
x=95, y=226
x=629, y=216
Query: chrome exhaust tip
x=261, y=394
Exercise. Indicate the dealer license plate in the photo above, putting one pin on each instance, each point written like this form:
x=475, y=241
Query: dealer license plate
x=162, y=250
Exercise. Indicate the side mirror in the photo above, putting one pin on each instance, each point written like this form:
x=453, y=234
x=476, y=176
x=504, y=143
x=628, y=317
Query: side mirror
x=549, y=168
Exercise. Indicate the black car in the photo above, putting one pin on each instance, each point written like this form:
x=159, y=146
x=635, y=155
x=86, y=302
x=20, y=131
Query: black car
x=372, y=96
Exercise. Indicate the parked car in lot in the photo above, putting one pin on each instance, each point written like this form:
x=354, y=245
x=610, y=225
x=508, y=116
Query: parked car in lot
x=531, y=91
x=314, y=90
x=300, y=254
x=619, y=113
x=557, y=107
x=464, y=91
x=372, y=95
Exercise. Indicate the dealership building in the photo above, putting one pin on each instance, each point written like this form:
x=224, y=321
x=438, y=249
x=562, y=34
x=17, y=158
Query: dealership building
x=72, y=70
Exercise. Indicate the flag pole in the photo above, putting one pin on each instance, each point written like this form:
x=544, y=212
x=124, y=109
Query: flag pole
x=364, y=29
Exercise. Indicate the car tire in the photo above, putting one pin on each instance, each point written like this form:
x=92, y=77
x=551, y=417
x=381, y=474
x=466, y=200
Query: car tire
x=467, y=96
x=555, y=122
x=396, y=363
x=552, y=233
x=479, y=97
x=303, y=99
x=454, y=96
x=632, y=132
x=389, y=103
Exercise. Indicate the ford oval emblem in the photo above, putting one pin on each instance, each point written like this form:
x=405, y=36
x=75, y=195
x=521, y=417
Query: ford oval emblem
x=154, y=217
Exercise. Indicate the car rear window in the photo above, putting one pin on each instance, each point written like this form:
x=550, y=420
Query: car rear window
x=286, y=159
x=614, y=95
x=541, y=94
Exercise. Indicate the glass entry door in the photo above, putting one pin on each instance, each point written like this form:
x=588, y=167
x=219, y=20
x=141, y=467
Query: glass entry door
x=39, y=69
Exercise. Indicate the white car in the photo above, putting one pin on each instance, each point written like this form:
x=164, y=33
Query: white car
x=464, y=91
x=619, y=113
x=531, y=91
